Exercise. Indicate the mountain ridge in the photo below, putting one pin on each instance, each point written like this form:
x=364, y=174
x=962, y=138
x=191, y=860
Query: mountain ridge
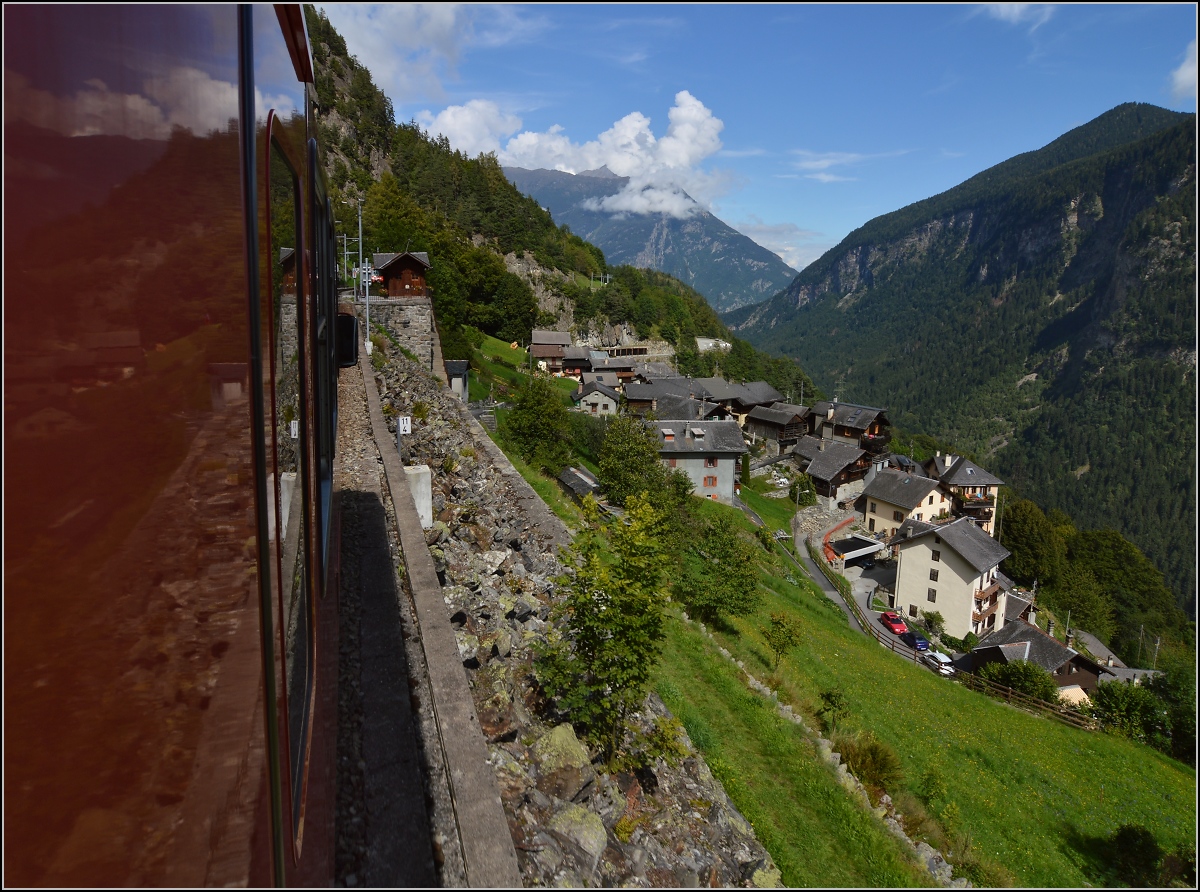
x=1023, y=315
x=730, y=269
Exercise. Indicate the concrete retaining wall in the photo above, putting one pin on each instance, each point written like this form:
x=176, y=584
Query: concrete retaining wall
x=487, y=847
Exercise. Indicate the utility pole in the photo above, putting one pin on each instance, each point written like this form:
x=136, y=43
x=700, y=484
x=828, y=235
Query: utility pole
x=1141, y=632
x=1157, y=642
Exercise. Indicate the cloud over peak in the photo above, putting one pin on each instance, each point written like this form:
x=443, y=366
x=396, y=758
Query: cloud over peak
x=665, y=174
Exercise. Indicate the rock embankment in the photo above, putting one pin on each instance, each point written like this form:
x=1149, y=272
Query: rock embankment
x=572, y=822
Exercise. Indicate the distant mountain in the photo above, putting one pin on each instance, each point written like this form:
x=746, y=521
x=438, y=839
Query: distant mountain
x=728, y=268
x=1042, y=315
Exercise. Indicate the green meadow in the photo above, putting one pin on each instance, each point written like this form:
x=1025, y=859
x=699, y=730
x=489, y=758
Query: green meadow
x=1033, y=799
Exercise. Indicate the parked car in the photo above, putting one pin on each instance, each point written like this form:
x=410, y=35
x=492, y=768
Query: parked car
x=868, y=563
x=938, y=662
x=892, y=620
x=915, y=641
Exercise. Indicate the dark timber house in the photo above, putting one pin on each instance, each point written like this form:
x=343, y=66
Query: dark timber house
x=403, y=274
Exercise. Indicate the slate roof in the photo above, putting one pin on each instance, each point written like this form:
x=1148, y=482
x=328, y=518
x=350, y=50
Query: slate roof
x=574, y=352
x=607, y=378
x=285, y=254
x=655, y=370
x=716, y=436
x=379, y=261
x=551, y=351
x=541, y=336
x=1014, y=606
x=762, y=392
x=647, y=392
x=1021, y=641
x=828, y=463
x=775, y=415
x=898, y=488
x=975, y=546
x=849, y=414
x=682, y=408
x=719, y=390
x=578, y=481
x=457, y=367
x=1124, y=673
x=595, y=387
x=966, y=473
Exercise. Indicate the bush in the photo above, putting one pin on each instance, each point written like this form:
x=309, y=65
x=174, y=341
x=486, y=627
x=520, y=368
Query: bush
x=607, y=629
x=834, y=706
x=872, y=761
x=537, y=427
x=1027, y=678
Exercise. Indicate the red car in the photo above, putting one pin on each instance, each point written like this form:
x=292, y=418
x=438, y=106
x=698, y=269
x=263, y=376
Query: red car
x=892, y=620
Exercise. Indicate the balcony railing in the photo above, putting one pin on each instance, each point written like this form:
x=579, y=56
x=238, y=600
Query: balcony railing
x=975, y=501
x=875, y=443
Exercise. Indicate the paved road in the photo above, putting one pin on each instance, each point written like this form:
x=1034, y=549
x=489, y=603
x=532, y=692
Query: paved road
x=814, y=573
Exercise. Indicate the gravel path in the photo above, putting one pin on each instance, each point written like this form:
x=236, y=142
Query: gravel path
x=393, y=805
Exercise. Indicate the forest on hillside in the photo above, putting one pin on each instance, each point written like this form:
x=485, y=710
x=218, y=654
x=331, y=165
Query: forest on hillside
x=1042, y=316
x=419, y=194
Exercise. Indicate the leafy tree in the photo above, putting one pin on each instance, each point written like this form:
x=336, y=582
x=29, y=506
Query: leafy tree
x=599, y=659
x=721, y=578
x=1077, y=594
x=1021, y=675
x=1038, y=552
x=538, y=426
x=782, y=635
x=802, y=492
x=934, y=622
x=834, y=706
x=1176, y=689
x=1131, y=711
x=629, y=462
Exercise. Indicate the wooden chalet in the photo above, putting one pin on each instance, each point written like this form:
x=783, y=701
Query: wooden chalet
x=866, y=427
x=403, y=274
x=287, y=263
x=780, y=424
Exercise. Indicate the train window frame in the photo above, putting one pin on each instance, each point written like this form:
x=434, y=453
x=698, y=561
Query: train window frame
x=324, y=350
x=295, y=542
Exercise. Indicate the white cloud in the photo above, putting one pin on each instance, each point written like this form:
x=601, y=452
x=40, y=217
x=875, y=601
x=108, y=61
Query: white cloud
x=795, y=246
x=816, y=165
x=182, y=97
x=825, y=160
x=1183, y=78
x=664, y=173
x=1020, y=13
x=411, y=48
x=473, y=128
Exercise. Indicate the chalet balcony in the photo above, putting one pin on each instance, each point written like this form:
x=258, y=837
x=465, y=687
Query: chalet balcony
x=986, y=602
x=875, y=444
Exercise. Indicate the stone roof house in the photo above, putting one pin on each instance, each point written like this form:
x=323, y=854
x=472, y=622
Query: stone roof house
x=892, y=497
x=953, y=569
x=707, y=451
x=1022, y=641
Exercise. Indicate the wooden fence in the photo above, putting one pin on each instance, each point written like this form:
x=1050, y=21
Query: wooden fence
x=1063, y=714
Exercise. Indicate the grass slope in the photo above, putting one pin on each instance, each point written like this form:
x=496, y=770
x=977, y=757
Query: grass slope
x=1035, y=796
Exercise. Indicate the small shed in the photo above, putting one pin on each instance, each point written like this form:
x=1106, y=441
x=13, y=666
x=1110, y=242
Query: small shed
x=457, y=372
x=403, y=274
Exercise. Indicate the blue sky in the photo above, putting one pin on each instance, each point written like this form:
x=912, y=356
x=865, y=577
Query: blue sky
x=793, y=123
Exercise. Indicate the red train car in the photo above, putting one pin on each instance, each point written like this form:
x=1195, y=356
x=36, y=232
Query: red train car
x=170, y=528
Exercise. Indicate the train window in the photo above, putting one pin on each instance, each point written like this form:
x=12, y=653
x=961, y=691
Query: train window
x=291, y=433
x=324, y=344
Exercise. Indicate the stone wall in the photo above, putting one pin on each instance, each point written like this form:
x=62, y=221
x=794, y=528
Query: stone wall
x=410, y=321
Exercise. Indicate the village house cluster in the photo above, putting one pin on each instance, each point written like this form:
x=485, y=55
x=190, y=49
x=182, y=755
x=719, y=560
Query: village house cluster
x=937, y=518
